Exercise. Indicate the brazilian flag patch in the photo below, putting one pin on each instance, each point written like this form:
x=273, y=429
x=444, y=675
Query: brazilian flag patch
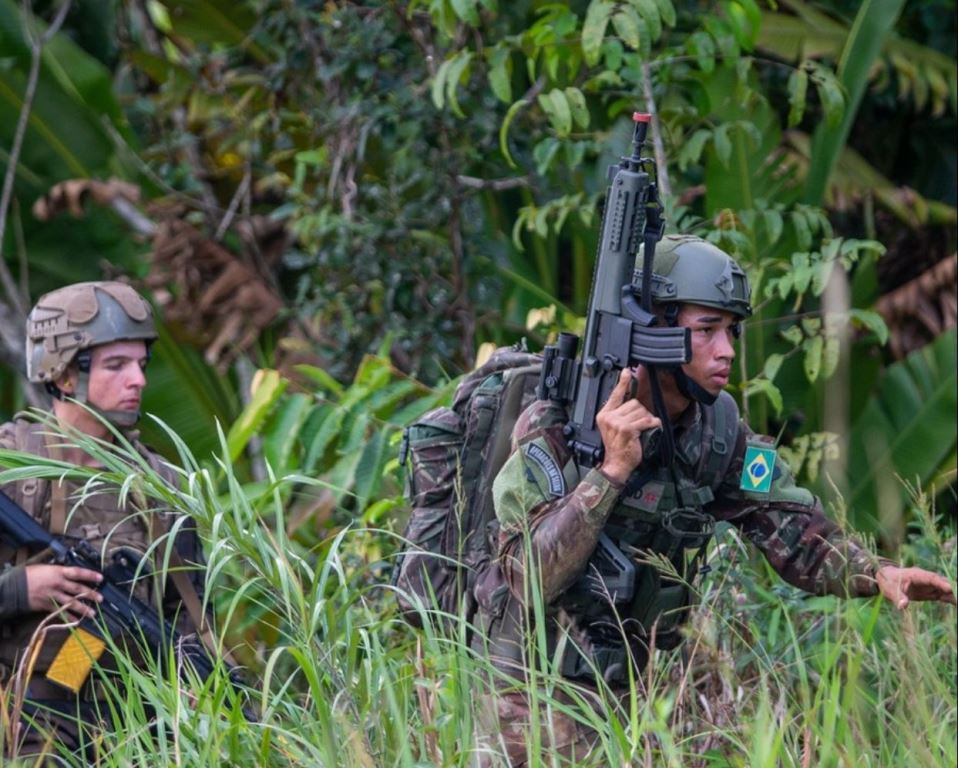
x=757, y=473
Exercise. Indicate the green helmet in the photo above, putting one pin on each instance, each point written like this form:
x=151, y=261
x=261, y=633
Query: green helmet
x=689, y=270
x=69, y=320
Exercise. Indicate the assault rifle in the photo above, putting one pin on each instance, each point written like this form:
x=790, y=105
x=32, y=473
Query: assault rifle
x=621, y=330
x=119, y=614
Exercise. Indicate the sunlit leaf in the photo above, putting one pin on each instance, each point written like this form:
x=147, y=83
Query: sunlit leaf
x=593, y=29
x=270, y=385
x=797, y=91
x=812, y=363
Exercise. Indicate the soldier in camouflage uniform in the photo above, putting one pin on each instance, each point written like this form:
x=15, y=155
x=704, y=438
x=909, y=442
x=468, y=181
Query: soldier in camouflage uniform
x=89, y=344
x=574, y=523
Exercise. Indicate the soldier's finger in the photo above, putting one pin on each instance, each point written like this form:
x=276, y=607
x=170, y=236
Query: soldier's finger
x=62, y=600
x=77, y=610
x=651, y=422
x=82, y=574
x=904, y=588
x=79, y=589
x=621, y=390
x=629, y=408
x=935, y=586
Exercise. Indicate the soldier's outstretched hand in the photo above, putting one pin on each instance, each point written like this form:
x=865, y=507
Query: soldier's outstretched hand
x=621, y=421
x=902, y=585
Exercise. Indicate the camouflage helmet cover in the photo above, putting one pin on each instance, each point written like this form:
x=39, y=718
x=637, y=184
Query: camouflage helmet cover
x=687, y=269
x=69, y=320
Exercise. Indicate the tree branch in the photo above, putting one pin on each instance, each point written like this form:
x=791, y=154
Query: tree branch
x=661, y=166
x=496, y=185
x=10, y=289
x=13, y=314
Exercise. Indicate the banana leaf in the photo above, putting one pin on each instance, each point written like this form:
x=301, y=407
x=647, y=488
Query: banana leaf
x=906, y=433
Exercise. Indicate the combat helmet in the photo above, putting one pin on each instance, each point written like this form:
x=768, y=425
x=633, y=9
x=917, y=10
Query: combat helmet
x=67, y=323
x=689, y=270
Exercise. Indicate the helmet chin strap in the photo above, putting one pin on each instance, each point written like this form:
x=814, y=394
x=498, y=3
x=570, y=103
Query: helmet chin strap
x=685, y=384
x=119, y=419
x=691, y=389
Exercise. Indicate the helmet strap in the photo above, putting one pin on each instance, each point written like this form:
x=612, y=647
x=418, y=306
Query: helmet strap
x=691, y=389
x=120, y=419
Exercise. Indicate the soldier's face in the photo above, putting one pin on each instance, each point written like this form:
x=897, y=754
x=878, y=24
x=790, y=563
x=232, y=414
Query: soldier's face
x=713, y=345
x=117, y=376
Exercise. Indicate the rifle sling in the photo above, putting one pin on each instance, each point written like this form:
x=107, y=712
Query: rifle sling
x=178, y=574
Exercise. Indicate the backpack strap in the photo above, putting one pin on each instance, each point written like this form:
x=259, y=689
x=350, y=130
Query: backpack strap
x=58, y=492
x=724, y=418
x=29, y=494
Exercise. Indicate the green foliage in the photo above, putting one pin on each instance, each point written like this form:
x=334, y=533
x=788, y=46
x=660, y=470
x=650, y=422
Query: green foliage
x=875, y=19
x=906, y=431
x=73, y=128
x=343, y=438
x=441, y=164
x=780, y=678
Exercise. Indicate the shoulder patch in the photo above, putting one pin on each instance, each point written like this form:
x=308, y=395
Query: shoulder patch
x=758, y=468
x=549, y=467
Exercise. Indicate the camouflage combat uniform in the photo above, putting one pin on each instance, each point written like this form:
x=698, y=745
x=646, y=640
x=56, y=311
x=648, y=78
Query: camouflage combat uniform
x=109, y=527
x=545, y=504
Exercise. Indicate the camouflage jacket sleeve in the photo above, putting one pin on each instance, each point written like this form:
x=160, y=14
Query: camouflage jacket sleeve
x=13, y=578
x=790, y=528
x=542, y=507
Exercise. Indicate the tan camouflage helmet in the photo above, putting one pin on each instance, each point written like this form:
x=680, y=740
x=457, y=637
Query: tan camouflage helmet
x=69, y=320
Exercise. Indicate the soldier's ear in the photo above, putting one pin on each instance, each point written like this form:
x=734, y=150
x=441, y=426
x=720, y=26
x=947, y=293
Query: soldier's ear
x=66, y=383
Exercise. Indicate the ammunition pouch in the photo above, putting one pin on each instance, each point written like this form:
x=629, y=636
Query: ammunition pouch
x=683, y=528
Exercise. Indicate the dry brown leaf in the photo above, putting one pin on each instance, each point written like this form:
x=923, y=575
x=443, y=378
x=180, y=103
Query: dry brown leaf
x=72, y=195
x=921, y=309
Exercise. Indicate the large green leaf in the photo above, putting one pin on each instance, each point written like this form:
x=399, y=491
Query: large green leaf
x=189, y=395
x=874, y=21
x=217, y=22
x=853, y=176
x=270, y=388
x=66, y=134
x=907, y=431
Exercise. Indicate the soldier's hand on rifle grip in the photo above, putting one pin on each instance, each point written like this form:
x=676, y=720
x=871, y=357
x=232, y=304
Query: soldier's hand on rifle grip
x=621, y=421
x=52, y=586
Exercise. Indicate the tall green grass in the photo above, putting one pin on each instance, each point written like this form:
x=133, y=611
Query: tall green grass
x=768, y=676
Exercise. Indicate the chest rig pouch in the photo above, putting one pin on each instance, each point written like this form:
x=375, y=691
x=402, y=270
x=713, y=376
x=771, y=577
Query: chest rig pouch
x=651, y=550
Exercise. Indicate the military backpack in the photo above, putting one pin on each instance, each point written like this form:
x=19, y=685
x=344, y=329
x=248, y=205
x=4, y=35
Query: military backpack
x=453, y=456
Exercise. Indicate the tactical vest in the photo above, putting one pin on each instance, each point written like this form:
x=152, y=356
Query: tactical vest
x=637, y=585
x=99, y=519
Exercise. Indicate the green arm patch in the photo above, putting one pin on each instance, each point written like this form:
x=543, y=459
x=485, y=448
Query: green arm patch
x=758, y=469
x=545, y=469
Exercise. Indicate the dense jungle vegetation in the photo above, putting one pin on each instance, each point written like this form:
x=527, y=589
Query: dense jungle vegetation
x=338, y=207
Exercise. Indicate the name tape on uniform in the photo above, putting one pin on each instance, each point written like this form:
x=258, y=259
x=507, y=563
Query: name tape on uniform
x=758, y=468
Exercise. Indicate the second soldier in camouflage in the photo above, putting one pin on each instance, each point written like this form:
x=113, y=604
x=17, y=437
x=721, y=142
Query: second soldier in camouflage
x=592, y=532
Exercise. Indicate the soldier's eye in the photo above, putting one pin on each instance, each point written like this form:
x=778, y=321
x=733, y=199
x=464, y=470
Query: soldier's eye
x=736, y=329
